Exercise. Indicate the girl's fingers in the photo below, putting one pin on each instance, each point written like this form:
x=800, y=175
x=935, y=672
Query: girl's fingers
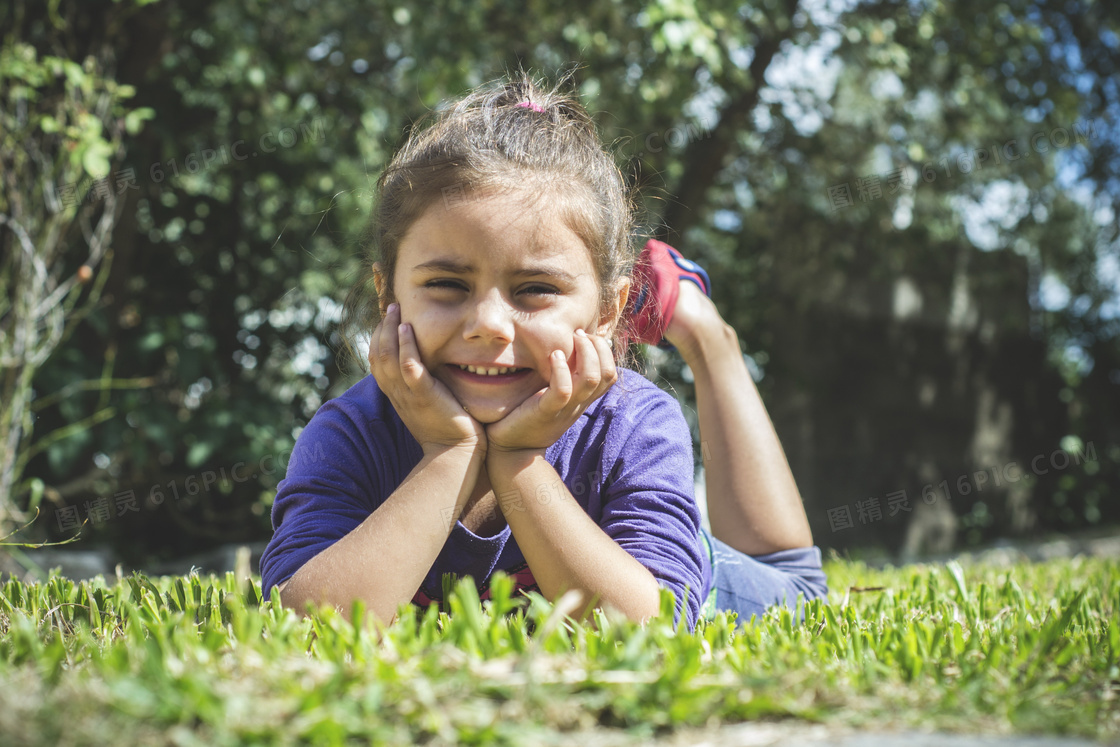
x=380, y=356
x=412, y=370
x=559, y=391
x=388, y=351
x=588, y=373
x=608, y=372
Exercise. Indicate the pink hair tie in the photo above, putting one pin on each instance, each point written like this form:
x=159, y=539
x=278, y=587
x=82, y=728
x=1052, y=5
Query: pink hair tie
x=530, y=105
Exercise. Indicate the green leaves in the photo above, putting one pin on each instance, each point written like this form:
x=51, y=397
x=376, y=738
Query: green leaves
x=134, y=120
x=95, y=155
x=86, y=142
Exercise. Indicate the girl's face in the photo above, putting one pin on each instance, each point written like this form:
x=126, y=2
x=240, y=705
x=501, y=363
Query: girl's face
x=492, y=285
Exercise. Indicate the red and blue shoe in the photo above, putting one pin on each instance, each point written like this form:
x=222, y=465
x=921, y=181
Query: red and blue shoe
x=657, y=276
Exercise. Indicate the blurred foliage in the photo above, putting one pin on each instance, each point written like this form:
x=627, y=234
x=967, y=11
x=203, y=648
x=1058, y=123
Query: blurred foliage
x=61, y=121
x=272, y=121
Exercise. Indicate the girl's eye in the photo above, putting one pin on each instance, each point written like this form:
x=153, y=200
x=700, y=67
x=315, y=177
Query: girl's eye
x=539, y=290
x=444, y=283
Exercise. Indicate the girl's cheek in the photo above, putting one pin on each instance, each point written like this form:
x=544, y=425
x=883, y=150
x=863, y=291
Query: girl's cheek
x=554, y=335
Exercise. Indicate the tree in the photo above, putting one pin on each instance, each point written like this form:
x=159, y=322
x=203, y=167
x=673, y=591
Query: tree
x=902, y=336
x=62, y=125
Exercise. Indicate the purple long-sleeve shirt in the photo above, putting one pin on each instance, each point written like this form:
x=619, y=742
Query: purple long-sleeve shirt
x=627, y=461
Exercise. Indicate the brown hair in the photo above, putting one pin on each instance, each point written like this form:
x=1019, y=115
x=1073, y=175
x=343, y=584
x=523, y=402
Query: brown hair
x=508, y=135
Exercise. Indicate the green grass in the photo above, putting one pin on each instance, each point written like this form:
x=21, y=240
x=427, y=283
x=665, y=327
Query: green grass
x=190, y=660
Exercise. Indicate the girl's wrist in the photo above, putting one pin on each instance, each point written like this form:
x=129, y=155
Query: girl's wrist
x=512, y=457
x=497, y=448
x=470, y=449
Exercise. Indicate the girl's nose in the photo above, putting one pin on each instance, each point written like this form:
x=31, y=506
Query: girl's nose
x=490, y=318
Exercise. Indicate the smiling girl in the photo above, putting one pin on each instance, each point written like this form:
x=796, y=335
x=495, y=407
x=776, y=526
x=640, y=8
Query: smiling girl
x=496, y=430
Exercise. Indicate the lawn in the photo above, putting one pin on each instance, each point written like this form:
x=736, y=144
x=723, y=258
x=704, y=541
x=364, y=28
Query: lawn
x=1031, y=648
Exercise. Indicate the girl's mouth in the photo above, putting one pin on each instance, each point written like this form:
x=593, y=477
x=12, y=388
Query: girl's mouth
x=488, y=374
x=491, y=371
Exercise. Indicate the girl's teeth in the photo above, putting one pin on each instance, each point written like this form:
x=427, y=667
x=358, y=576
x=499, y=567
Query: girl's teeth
x=488, y=371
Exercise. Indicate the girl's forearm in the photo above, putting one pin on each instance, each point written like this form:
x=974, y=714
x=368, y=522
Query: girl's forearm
x=564, y=547
x=384, y=559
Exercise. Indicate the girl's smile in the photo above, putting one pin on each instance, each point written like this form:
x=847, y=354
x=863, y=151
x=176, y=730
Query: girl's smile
x=492, y=286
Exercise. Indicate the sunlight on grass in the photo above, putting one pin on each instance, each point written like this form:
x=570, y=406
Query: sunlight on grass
x=202, y=660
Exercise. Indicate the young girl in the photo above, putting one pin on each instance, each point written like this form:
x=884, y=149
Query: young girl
x=496, y=432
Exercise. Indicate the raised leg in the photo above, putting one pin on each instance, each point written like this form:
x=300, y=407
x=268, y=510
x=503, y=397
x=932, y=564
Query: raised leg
x=753, y=501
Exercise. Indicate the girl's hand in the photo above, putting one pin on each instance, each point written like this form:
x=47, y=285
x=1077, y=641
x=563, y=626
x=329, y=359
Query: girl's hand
x=541, y=419
x=428, y=408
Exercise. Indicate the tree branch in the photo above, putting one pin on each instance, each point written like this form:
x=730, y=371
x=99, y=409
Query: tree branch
x=705, y=158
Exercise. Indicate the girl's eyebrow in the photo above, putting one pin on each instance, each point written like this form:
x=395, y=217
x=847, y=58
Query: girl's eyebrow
x=552, y=272
x=445, y=265
x=465, y=268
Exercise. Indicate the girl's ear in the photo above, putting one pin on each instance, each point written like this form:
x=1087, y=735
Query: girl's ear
x=381, y=286
x=612, y=310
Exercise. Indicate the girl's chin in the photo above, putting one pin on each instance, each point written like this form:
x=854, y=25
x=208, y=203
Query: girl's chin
x=489, y=401
x=488, y=412
x=486, y=418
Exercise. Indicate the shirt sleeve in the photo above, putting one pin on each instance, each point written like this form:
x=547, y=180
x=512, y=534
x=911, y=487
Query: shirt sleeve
x=650, y=508
x=339, y=472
